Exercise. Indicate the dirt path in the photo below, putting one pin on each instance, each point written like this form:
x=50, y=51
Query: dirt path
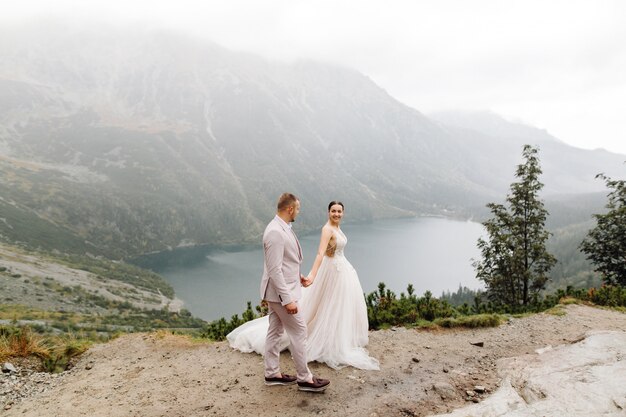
x=422, y=373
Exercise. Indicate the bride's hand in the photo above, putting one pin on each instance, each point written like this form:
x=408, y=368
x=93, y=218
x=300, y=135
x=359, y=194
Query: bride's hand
x=306, y=281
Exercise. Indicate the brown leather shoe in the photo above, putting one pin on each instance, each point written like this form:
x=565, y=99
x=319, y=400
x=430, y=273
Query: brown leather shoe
x=318, y=385
x=280, y=380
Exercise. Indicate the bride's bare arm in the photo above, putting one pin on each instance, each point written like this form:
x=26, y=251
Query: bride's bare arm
x=327, y=234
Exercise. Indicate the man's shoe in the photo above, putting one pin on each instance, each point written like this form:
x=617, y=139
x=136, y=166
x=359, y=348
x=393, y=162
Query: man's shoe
x=281, y=380
x=318, y=385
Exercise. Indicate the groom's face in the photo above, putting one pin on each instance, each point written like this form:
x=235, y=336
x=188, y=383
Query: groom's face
x=294, y=210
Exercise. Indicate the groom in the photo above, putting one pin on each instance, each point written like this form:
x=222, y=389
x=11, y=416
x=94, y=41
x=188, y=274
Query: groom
x=280, y=287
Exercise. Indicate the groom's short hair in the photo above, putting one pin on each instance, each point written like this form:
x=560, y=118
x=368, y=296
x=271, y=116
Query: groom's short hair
x=285, y=201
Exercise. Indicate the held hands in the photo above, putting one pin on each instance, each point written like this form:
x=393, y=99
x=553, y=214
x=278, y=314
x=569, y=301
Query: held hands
x=306, y=281
x=292, y=308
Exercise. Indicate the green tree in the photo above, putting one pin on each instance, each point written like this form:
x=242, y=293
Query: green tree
x=605, y=245
x=515, y=262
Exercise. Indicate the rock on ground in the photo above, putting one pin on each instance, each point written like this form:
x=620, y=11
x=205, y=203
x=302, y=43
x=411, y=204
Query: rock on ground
x=584, y=379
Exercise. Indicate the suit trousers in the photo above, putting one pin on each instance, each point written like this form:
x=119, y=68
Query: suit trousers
x=295, y=326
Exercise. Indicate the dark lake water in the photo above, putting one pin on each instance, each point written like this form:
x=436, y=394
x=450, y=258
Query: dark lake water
x=430, y=253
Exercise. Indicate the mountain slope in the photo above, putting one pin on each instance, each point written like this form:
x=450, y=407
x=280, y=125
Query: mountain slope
x=133, y=142
x=566, y=169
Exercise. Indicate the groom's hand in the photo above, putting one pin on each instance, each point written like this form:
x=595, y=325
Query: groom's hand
x=292, y=308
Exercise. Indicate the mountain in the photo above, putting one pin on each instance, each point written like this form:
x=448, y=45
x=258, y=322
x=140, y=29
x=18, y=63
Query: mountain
x=566, y=169
x=119, y=142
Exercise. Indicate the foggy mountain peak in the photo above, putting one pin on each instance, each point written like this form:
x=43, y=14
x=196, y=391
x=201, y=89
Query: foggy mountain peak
x=492, y=124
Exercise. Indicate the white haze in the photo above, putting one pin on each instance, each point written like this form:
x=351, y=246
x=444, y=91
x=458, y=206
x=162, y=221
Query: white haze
x=556, y=64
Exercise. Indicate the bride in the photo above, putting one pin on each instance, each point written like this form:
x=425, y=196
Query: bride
x=332, y=305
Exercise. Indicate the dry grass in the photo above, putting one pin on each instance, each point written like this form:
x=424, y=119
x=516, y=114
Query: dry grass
x=571, y=300
x=180, y=341
x=558, y=310
x=55, y=352
x=22, y=342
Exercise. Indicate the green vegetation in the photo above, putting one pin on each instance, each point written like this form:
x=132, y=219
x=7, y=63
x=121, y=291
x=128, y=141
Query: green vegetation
x=572, y=267
x=462, y=296
x=385, y=309
x=119, y=271
x=24, y=228
x=515, y=262
x=605, y=245
x=218, y=329
x=556, y=310
x=607, y=295
x=111, y=211
x=477, y=320
x=124, y=317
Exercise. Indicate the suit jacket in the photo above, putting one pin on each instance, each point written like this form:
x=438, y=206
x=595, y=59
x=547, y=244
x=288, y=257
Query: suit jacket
x=282, y=258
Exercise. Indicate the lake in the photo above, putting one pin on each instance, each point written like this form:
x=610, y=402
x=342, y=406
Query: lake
x=430, y=253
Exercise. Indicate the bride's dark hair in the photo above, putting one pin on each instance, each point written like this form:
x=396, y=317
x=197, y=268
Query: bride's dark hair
x=332, y=203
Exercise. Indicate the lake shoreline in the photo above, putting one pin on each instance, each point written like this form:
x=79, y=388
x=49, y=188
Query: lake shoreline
x=154, y=260
x=431, y=253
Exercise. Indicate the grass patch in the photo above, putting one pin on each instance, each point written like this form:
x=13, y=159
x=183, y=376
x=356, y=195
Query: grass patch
x=523, y=315
x=570, y=300
x=55, y=352
x=424, y=325
x=619, y=309
x=62, y=350
x=557, y=310
x=474, y=321
x=21, y=342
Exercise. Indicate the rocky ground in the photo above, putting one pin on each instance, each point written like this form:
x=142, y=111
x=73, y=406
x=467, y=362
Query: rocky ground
x=42, y=283
x=422, y=373
x=23, y=379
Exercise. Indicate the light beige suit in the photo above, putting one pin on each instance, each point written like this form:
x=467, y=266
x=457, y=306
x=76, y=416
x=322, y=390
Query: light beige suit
x=280, y=285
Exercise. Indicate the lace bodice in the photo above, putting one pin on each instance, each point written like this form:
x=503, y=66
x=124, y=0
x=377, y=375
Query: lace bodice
x=342, y=240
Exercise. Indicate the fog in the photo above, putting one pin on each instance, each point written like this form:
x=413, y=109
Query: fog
x=556, y=65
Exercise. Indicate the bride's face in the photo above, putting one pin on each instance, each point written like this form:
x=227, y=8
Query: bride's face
x=335, y=214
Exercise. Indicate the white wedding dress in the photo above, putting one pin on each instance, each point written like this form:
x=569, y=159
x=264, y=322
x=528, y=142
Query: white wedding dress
x=336, y=316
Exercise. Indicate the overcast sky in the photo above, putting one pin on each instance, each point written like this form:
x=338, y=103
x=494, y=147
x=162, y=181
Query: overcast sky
x=558, y=65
